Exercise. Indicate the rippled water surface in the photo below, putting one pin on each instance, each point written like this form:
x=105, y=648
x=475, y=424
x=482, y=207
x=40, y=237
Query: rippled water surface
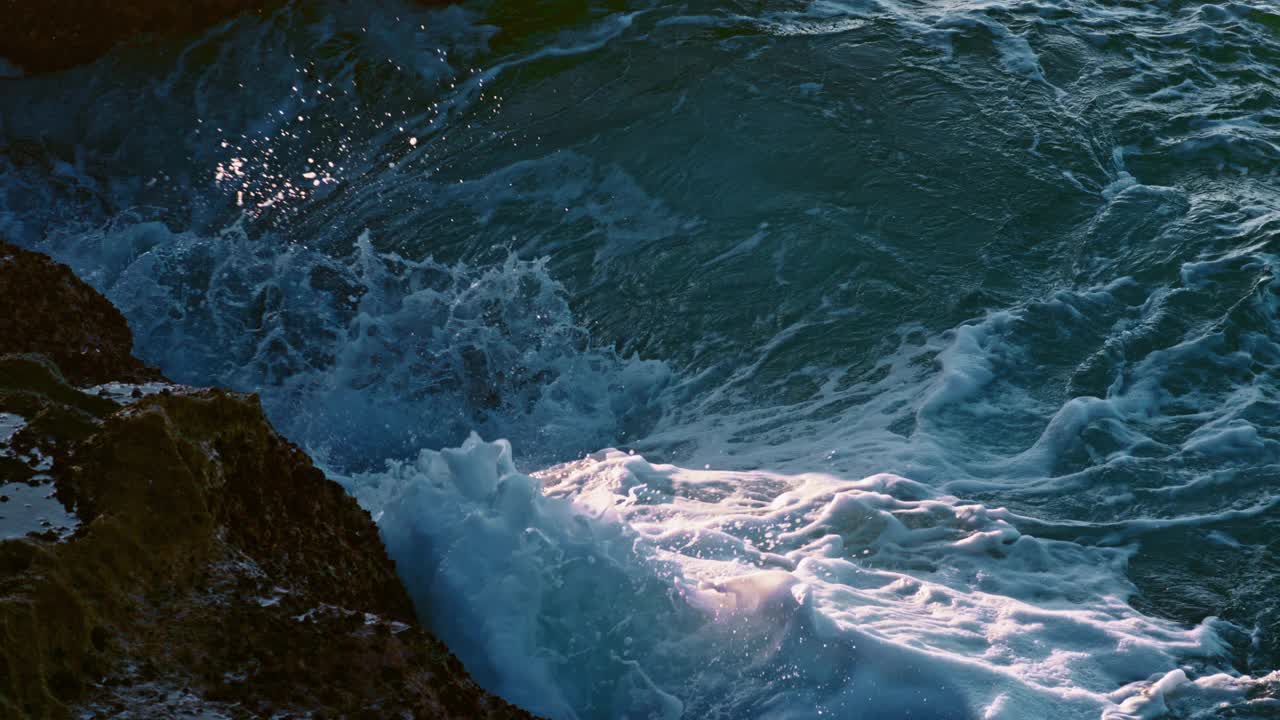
x=937, y=339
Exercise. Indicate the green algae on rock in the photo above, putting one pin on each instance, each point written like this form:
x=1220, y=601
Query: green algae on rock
x=214, y=571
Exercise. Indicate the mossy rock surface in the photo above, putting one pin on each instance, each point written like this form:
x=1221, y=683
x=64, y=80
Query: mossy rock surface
x=214, y=571
x=49, y=311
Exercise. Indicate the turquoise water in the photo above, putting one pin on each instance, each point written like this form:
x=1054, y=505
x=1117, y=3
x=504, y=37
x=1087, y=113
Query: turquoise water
x=1021, y=254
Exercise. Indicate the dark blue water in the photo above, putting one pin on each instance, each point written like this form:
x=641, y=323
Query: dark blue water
x=1021, y=253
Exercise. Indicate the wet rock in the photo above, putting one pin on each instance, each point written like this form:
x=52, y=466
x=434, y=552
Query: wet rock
x=214, y=572
x=53, y=35
x=51, y=312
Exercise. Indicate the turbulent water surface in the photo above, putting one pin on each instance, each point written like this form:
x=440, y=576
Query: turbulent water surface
x=937, y=339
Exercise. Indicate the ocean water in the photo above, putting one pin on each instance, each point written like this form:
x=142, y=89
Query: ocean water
x=748, y=359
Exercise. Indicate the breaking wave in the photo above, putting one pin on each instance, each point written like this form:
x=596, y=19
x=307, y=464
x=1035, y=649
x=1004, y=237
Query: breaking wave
x=831, y=359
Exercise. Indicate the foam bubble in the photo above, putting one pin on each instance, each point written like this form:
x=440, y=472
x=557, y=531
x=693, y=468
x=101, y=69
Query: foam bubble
x=612, y=586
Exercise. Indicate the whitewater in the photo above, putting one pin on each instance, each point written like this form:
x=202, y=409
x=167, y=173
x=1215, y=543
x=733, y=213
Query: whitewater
x=760, y=359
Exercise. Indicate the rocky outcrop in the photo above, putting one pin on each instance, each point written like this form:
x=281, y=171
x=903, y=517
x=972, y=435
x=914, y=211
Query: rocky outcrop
x=212, y=570
x=54, y=35
x=51, y=312
x=58, y=34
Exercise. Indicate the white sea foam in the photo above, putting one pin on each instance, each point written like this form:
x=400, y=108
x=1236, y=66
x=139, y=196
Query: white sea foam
x=614, y=587
x=386, y=354
x=125, y=393
x=790, y=577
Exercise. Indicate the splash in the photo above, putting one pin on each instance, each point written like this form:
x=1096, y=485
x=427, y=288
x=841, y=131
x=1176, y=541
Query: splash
x=614, y=587
x=371, y=355
x=941, y=330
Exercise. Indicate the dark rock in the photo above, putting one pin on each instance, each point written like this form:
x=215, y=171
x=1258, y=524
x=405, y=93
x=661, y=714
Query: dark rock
x=51, y=312
x=55, y=35
x=215, y=572
x=58, y=34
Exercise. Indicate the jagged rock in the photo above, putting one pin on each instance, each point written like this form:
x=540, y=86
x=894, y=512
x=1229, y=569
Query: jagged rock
x=51, y=312
x=214, y=571
x=58, y=34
